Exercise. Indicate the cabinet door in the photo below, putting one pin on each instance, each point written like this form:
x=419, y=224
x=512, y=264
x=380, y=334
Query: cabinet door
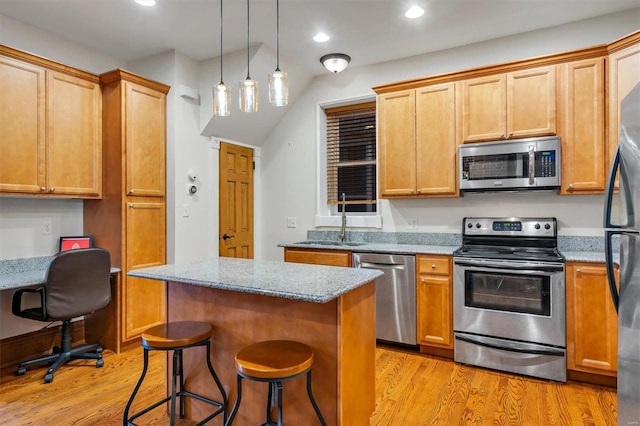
x=318, y=257
x=582, y=127
x=531, y=102
x=397, y=144
x=592, y=322
x=436, y=142
x=74, y=136
x=22, y=127
x=435, y=302
x=484, y=108
x=144, y=299
x=145, y=124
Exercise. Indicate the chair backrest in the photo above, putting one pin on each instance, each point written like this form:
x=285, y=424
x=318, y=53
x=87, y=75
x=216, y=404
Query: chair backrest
x=77, y=283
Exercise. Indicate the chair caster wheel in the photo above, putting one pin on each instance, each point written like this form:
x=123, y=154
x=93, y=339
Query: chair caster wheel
x=48, y=378
x=22, y=371
x=99, y=363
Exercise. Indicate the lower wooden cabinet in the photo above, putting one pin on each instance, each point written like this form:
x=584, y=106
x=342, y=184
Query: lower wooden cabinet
x=318, y=257
x=592, y=322
x=434, y=292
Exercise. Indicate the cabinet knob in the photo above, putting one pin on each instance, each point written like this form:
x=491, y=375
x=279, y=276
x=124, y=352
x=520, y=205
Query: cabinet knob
x=501, y=135
x=43, y=188
x=53, y=189
x=433, y=266
x=570, y=187
x=419, y=191
x=131, y=191
x=411, y=191
x=131, y=205
x=579, y=270
x=510, y=134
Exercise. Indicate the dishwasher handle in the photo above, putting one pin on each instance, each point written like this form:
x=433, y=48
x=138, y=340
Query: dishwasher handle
x=373, y=265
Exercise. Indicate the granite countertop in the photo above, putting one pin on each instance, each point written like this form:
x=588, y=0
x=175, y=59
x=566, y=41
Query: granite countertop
x=371, y=247
x=309, y=283
x=18, y=273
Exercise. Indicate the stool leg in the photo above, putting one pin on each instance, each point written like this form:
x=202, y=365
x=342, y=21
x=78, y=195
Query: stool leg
x=269, y=403
x=174, y=377
x=135, y=390
x=218, y=383
x=313, y=400
x=181, y=383
x=237, y=404
x=279, y=401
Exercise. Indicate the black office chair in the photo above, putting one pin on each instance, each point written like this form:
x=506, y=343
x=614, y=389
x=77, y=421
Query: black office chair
x=77, y=283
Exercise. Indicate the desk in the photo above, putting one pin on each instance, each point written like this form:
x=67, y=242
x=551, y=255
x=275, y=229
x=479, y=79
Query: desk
x=328, y=308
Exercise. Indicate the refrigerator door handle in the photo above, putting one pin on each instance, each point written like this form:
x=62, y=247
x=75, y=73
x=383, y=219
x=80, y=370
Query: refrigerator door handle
x=610, y=188
x=608, y=253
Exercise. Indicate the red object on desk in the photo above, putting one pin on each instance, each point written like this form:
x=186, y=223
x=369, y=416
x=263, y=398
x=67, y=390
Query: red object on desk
x=70, y=243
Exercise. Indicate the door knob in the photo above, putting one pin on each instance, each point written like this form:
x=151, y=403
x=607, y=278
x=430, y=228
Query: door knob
x=226, y=237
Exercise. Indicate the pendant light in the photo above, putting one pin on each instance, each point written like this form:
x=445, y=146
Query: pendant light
x=248, y=87
x=221, y=92
x=278, y=80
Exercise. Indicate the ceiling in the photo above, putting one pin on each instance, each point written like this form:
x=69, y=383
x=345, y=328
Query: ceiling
x=371, y=31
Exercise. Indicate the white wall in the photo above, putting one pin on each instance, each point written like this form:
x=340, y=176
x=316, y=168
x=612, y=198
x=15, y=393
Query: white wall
x=289, y=155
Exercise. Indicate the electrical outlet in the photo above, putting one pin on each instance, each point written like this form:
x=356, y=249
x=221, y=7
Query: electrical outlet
x=412, y=223
x=46, y=227
x=291, y=222
x=186, y=210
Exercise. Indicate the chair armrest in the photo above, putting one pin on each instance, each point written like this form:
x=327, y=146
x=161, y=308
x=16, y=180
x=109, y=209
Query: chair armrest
x=16, y=303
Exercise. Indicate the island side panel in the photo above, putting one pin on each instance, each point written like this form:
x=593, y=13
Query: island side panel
x=240, y=319
x=356, y=352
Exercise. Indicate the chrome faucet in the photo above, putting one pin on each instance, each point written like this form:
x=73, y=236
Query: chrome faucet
x=343, y=228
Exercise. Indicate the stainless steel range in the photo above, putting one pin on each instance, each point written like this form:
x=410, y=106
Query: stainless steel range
x=509, y=297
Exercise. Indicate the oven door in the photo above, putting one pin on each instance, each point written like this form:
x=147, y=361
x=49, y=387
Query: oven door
x=509, y=299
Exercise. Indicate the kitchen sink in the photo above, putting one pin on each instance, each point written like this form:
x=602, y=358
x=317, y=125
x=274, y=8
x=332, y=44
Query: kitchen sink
x=331, y=243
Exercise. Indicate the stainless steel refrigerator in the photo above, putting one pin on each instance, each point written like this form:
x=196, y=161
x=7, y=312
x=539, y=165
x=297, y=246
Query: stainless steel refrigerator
x=627, y=229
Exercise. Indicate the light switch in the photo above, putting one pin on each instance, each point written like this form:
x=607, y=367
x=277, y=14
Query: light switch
x=291, y=222
x=186, y=210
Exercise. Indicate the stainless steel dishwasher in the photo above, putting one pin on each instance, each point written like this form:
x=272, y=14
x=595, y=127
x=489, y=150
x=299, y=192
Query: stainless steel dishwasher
x=395, y=295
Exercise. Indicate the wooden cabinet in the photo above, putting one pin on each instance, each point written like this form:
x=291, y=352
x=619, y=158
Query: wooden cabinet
x=130, y=220
x=50, y=128
x=592, y=321
x=510, y=105
x=435, y=301
x=418, y=143
x=584, y=163
x=318, y=257
x=624, y=75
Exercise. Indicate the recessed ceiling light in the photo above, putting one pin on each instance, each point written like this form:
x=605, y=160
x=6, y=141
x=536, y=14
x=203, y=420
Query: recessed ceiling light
x=146, y=2
x=414, y=12
x=320, y=38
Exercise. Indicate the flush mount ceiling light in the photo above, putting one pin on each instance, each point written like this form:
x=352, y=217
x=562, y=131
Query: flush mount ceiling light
x=335, y=62
x=414, y=12
x=320, y=38
x=146, y=2
x=221, y=92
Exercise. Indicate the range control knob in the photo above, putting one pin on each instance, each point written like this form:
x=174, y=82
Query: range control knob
x=478, y=225
x=469, y=225
x=547, y=226
x=537, y=226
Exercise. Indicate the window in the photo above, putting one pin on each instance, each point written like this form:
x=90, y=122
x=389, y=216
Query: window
x=351, y=157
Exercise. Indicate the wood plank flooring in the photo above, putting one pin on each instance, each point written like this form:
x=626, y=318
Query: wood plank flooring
x=411, y=390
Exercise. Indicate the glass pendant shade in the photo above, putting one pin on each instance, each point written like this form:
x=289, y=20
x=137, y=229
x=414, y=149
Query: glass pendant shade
x=249, y=95
x=278, y=88
x=221, y=100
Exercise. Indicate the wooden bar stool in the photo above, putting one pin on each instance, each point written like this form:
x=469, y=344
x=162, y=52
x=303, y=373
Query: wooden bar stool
x=177, y=336
x=274, y=361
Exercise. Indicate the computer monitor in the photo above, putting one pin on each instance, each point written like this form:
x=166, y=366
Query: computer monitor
x=70, y=243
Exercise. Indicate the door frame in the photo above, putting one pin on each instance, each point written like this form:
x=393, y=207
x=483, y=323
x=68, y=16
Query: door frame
x=214, y=196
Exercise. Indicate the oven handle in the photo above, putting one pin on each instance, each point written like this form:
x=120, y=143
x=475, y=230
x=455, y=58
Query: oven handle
x=512, y=347
x=525, y=268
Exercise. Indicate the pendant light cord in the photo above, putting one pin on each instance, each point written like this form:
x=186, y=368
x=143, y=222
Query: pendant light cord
x=221, y=79
x=277, y=35
x=248, y=76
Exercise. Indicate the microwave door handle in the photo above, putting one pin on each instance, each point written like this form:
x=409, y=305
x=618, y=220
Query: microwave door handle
x=532, y=164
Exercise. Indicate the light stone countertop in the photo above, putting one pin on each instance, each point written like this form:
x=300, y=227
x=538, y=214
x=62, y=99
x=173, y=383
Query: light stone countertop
x=309, y=283
x=375, y=247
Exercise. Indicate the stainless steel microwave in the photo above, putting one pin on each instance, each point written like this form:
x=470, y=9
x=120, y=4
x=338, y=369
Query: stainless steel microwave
x=520, y=164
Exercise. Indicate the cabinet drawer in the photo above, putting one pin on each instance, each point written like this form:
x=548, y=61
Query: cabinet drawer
x=438, y=265
x=318, y=257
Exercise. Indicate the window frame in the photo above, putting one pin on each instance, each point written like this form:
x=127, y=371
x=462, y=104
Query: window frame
x=327, y=214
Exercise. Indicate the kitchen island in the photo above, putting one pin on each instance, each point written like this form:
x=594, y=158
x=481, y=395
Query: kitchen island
x=331, y=309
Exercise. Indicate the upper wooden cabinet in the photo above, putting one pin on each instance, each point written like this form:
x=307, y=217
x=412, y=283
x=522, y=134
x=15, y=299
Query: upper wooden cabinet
x=417, y=142
x=511, y=105
x=592, y=321
x=50, y=128
x=581, y=127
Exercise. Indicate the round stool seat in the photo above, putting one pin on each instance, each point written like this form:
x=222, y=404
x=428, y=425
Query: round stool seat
x=273, y=359
x=176, y=334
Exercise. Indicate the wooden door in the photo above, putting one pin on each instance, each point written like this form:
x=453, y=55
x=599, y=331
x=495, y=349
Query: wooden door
x=435, y=301
x=531, y=102
x=74, y=136
x=22, y=127
x=236, y=201
x=582, y=127
x=592, y=321
x=144, y=299
x=145, y=127
x=397, y=144
x=436, y=141
x=484, y=108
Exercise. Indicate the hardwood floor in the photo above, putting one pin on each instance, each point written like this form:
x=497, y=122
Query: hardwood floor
x=411, y=389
